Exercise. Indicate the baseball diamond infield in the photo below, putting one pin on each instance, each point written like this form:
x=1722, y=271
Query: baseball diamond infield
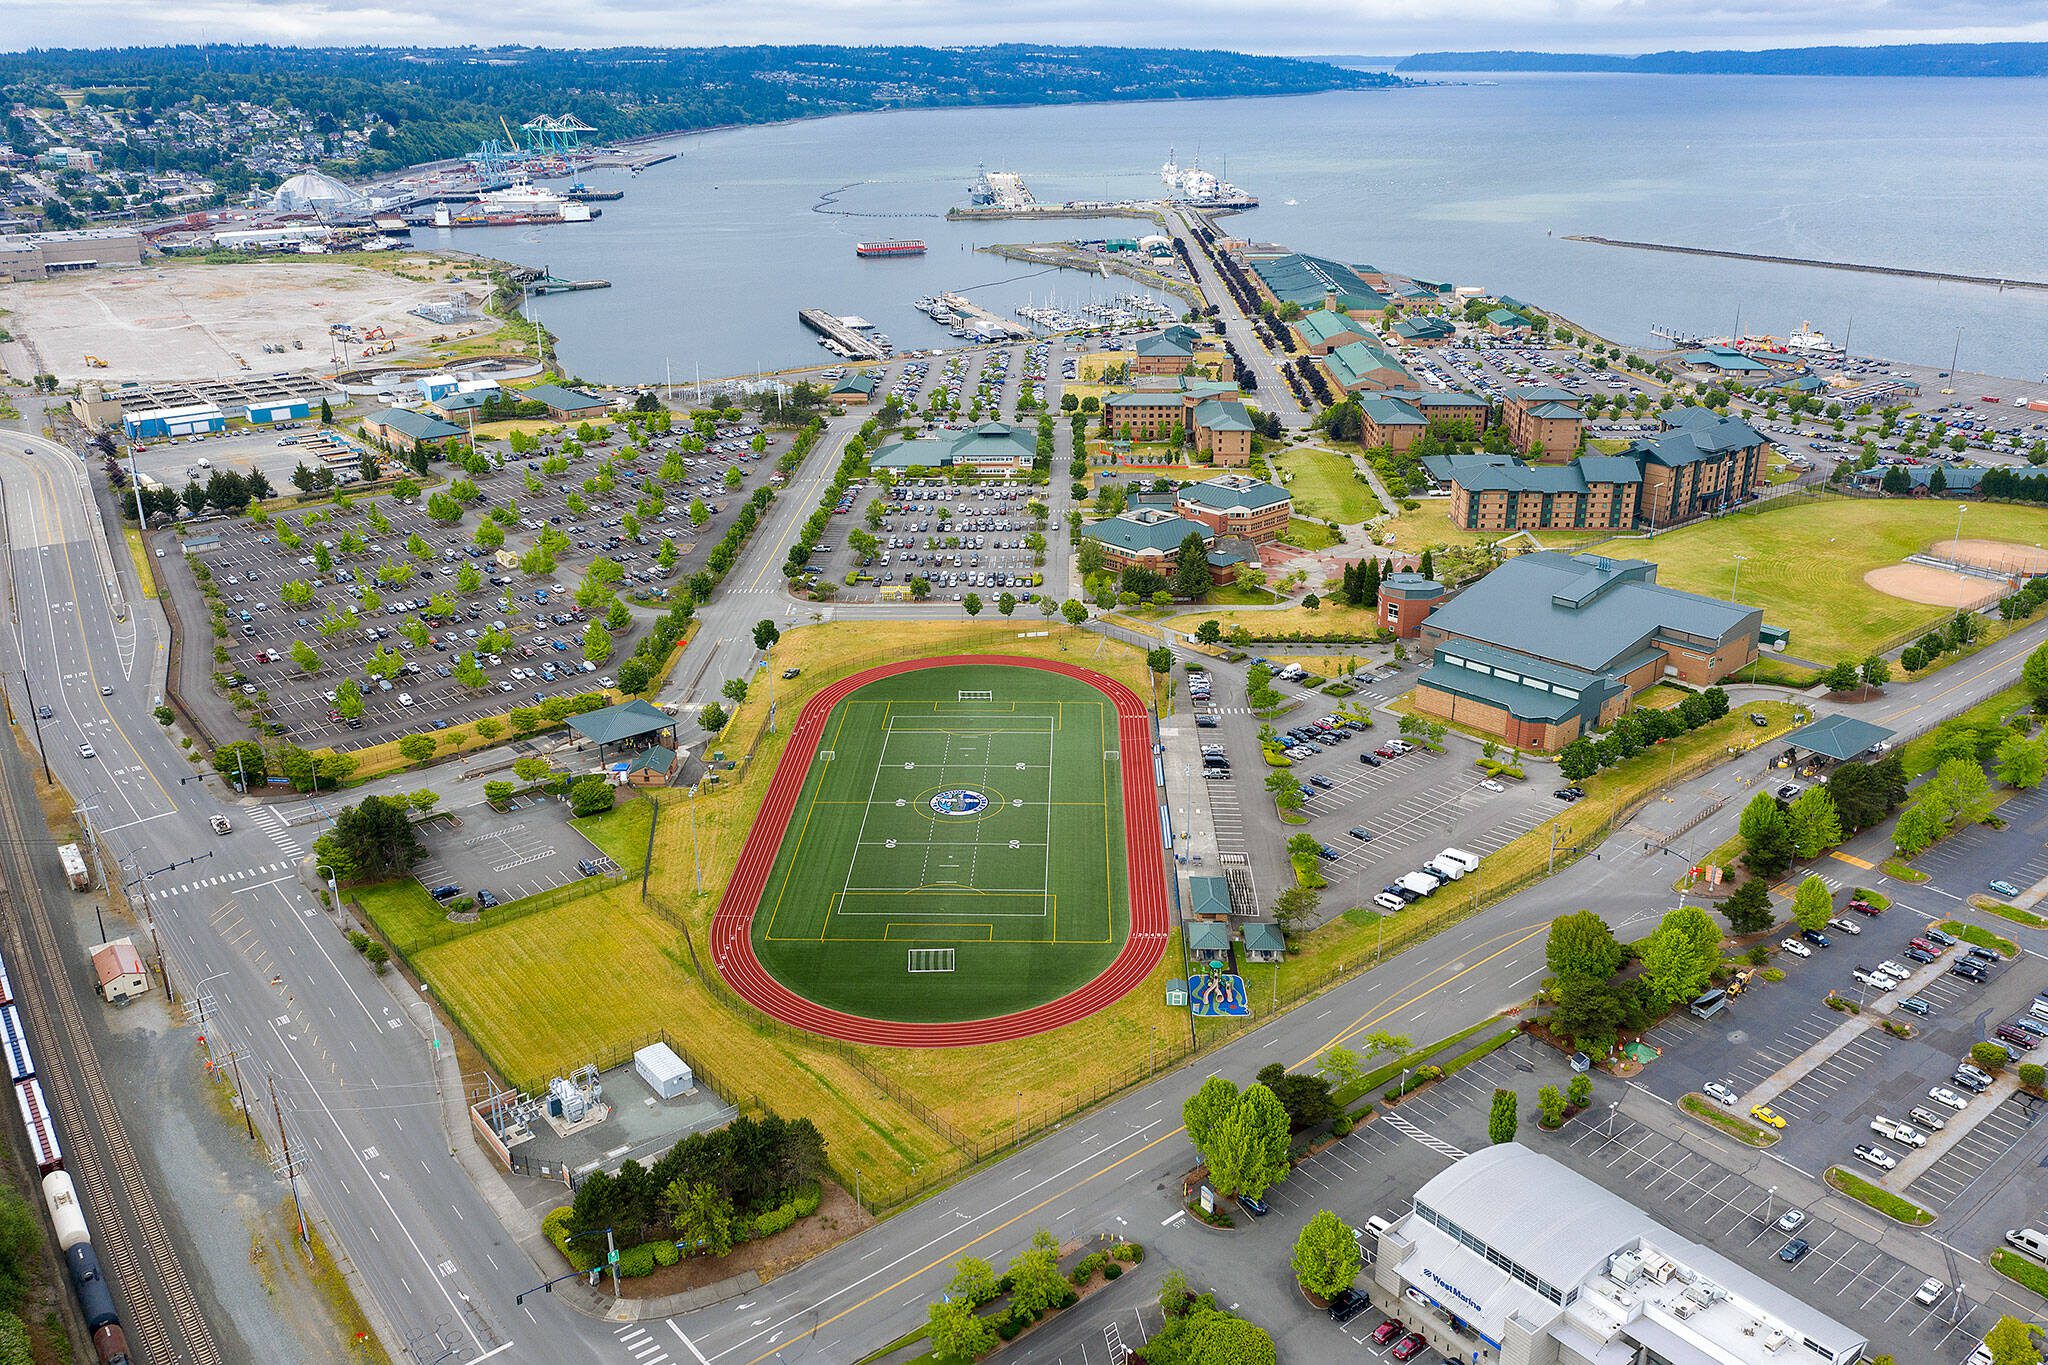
x=952, y=851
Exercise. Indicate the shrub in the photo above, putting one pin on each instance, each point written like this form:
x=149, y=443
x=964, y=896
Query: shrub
x=1007, y=1327
x=1128, y=1251
x=2032, y=1075
x=636, y=1261
x=775, y=1220
x=1342, y=1126
x=1580, y=1091
x=806, y=1200
x=666, y=1253
x=1112, y=1271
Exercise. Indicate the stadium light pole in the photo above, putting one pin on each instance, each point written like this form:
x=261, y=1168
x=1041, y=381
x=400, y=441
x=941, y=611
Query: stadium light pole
x=1960, y=509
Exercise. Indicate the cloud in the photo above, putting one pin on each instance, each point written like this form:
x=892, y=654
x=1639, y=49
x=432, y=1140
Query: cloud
x=1279, y=26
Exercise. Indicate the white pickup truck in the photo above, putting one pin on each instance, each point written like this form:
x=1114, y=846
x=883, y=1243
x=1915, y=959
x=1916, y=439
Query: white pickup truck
x=220, y=823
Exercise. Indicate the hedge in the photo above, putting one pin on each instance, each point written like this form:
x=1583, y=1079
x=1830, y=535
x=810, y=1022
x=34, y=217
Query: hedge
x=636, y=1261
x=775, y=1220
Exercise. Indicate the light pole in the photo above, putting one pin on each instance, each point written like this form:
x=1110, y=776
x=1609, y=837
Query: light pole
x=1735, y=593
x=694, y=858
x=333, y=892
x=1960, y=509
x=433, y=1039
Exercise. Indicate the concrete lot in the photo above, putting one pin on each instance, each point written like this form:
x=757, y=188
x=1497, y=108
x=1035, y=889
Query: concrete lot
x=188, y=319
x=250, y=567
x=533, y=847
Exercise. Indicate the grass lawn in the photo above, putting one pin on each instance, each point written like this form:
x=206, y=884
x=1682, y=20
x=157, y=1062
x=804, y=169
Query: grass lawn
x=594, y=977
x=1917, y=756
x=1328, y=618
x=2026, y=918
x=2019, y=1269
x=621, y=832
x=1878, y=1197
x=1309, y=535
x=1741, y=1129
x=1981, y=937
x=884, y=905
x=144, y=571
x=1325, y=484
x=1662, y=697
x=1806, y=563
x=1430, y=525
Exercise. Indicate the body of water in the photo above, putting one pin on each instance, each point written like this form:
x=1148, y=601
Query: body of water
x=712, y=255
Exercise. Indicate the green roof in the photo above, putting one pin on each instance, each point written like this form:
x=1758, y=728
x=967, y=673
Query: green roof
x=564, y=400
x=1838, y=737
x=1153, y=399
x=1234, y=492
x=1502, y=317
x=1724, y=358
x=1308, y=280
x=1208, y=936
x=1416, y=329
x=1361, y=362
x=862, y=383
x=986, y=442
x=1263, y=936
x=1222, y=414
x=1162, y=344
x=1321, y=326
x=623, y=721
x=1208, y=896
x=1137, y=532
x=1388, y=411
x=418, y=426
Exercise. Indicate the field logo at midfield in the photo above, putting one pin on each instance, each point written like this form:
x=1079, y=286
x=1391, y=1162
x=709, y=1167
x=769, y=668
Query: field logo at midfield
x=960, y=801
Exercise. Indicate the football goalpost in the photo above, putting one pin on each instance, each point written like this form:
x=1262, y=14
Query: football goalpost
x=931, y=960
x=982, y=695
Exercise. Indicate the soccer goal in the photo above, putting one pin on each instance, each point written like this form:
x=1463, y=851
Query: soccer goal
x=983, y=695
x=931, y=960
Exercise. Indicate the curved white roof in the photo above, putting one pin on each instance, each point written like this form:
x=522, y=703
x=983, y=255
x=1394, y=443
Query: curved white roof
x=311, y=190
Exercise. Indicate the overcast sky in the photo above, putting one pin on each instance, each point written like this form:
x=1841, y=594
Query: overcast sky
x=1279, y=26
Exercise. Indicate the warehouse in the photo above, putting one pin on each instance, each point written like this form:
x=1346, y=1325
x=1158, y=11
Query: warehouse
x=277, y=410
x=403, y=429
x=190, y=419
x=1512, y=1256
x=37, y=255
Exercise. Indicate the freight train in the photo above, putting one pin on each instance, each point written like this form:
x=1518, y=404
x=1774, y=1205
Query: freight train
x=67, y=1214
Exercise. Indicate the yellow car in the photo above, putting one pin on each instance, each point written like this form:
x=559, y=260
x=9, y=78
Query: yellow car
x=1762, y=1114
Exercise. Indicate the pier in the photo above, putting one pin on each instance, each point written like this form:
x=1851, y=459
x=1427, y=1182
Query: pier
x=550, y=285
x=1903, y=272
x=979, y=319
x=841, y=339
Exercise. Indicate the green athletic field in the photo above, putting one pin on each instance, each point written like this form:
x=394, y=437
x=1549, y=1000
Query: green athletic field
x=880, y=905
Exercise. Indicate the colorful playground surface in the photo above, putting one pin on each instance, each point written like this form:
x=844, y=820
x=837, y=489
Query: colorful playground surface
x=1217, y=995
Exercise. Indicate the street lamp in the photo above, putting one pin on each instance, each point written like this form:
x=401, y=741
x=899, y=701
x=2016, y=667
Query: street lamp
x=333, y=892
x=1960, y=509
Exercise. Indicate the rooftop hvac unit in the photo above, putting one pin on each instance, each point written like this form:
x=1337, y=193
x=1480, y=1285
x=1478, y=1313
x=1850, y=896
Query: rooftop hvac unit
x=1624, y=1266
x=1684, y=1309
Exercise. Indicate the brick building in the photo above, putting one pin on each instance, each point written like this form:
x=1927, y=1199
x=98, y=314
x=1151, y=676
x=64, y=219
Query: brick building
x=1160, y=403
x=1237, y=505
x=1360, y=366
x=1500, y=493
x=1550, y=646
x=1542, y=414
x=1406, y=600
x=1394, y=420
x=1323, y=330
x=1700, y=463
x=1150, y=538
x=1223, y=432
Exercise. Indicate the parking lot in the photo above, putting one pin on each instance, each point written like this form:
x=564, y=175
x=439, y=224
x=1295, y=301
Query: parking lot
x=532, y=848
x=1738, y=1214
x=425, y=579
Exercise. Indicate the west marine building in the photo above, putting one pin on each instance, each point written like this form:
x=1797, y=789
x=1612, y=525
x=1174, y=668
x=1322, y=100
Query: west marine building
x=1510, y=1258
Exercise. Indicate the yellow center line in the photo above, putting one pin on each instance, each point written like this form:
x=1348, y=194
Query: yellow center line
x=1365, y=1021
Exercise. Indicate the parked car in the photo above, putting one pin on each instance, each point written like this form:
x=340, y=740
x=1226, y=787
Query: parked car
x=1929, y=1292
x=1347, y=1304
x=1570, y=793
x=1721, y=1092
x=2005, y=888
x=1764, y=1114
x=1257, y=1208
x=1386, y=1332
x=1913, y=1004
x=1793, y=1250
x=1815, y=937
x=1408, y=1347
x=1875, y=1156
x=1941, y=1094
x=1360, y=833
x=1795, y=947
x=1845, y=926
x=1790, y=1220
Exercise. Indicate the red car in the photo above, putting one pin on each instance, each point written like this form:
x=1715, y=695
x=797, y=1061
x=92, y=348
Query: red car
x=1924, y=946
x=1409, y=1346
x=1865, y=908
x=1384, y=752
x=1385, y=1332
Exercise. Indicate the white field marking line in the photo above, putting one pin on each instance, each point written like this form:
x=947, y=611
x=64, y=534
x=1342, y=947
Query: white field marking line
x=861, y=835
x=1045, y=882
x=674, y=1327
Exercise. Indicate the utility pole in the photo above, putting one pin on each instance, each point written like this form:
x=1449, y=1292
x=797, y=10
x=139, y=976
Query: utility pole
x=41, y=752
x=291, y=1170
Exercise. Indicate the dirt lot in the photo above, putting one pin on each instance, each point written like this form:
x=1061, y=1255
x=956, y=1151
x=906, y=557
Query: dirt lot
x=190, y=320
x=1937, y=587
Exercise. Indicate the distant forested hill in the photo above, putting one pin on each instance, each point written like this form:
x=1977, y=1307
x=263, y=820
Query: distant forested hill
x=442, y=102
x=1908, y=59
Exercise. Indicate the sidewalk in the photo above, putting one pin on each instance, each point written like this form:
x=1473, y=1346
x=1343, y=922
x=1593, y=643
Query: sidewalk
x=1793, y=1071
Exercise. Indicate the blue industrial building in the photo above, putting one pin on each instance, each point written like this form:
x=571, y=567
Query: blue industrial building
x=189, y=419
x=278, y=410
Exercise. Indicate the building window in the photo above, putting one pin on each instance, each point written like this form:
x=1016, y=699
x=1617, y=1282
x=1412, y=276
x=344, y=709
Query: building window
x=1393, y=611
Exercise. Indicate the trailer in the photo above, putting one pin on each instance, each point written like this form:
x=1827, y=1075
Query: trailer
x=75, y=870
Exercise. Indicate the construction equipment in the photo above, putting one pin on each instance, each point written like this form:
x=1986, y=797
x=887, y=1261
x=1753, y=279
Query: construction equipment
x=95, y=362
x=381, y=348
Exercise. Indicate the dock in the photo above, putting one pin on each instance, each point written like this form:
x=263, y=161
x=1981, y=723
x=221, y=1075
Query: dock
x=841, y=339
x=1007, y=190
x=550, y=285
x=979, y=319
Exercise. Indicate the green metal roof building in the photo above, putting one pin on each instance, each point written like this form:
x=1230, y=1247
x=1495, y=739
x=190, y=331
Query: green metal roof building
x=997, y=447
x=1423, y=329
x=1222, y=414
x=1362, y=365
x=1311, y=280
x=1328, y=328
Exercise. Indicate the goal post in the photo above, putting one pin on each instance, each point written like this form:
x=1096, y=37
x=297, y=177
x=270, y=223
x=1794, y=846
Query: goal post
x=969, y=694
x=924, y=960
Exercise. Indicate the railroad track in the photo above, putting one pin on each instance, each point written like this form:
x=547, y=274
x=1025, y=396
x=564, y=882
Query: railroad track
x=151, y=1279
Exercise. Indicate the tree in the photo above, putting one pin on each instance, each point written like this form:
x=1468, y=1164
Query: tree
x=1160, y=660
x=2021, y=762
x=1749, y=909
x=499, y=792
x=1006, y=603
x=1920, y=824
x=531, y=769
x=735, y=690
x=2034, y=676
x=370, y=841
x=1326, y=1255
x=2011, y=1342
x=591, y=794
x=1582, y=945
x=711, y=719
x=1588, y=1012
x=1812, y=904
x=1843, y=677
x=348, y=699
x=1192, y=577
x=1961, y=789
x=1203, y=1110
x=1864, y=793
x=1502, y=1117
x=1876, y=672
x=1304, y=1095
x=1294, y=907
x=1578, y=760
x=1762, y=811
x=1036, y=1283
x=1813, y=823
x=1074, y=612
x=1679, y=955
x=974, y=1281
x=702, y=1214
x=1287, y=790
x=304, y=656
x=597, y=642
x=1209, y=632
x=1989, y=1056
x=1550, y=1106
x=417, y=748
x=957, y=1333
x=1247, y=1151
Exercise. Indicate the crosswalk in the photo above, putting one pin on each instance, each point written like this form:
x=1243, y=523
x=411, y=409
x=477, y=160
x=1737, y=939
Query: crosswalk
x=1429, y=1140
x=641, y=1345
x=274, y=828
x=267, y=872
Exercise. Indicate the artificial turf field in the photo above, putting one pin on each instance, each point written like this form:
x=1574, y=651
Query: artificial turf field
x=882, y=904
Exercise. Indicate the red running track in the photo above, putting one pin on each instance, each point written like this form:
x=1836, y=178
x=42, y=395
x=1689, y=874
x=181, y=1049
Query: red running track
x=732, y=942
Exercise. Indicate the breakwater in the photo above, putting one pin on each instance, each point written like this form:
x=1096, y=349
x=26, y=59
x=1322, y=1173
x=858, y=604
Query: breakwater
x=1906, y=272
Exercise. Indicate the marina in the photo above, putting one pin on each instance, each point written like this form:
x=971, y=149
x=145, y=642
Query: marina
x=839, y=335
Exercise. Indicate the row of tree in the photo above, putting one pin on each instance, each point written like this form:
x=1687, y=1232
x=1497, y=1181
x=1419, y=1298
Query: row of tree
x=1637, y=729
x=710, y=1188
x=1591, y=1002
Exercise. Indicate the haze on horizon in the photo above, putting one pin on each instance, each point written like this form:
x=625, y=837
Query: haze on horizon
x=1266, y=26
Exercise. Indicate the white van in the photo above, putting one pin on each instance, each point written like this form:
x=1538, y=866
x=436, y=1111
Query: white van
x=1458, y=857
x=2039, y=1009
x=1898, y=1132
x=1387, y=900
x=2030, y=1240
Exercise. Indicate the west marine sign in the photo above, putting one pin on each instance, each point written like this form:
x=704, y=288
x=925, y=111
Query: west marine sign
x=1453, y=1290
